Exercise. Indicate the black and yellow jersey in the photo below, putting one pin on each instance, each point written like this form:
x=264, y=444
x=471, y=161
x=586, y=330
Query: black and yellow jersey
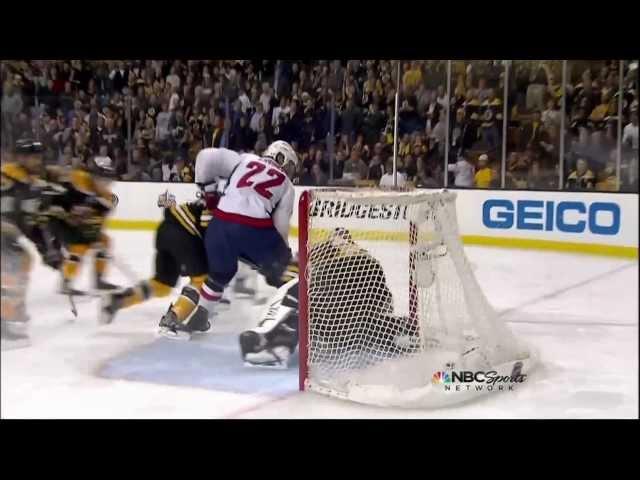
x=78, y=189
x=20, y=198
x=192, y=216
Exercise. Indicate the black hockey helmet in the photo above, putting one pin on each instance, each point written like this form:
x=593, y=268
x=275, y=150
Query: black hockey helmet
x=28, y=146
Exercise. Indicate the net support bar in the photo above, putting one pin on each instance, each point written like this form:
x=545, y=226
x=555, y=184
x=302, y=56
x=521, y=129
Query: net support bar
x=303, y=330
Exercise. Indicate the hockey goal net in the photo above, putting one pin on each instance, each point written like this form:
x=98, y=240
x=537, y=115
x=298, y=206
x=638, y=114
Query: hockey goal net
x=388, y=300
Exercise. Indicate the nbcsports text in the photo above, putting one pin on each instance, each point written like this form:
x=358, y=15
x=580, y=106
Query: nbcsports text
x=479, y=380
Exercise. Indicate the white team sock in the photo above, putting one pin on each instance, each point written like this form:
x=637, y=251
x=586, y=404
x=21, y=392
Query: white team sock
x=209, y=298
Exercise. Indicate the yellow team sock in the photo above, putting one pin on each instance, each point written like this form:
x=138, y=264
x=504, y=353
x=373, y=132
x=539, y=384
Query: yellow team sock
x=185, y=305
x=71, y=264
x=100, y=265
x=144, y=291
x=102, y=256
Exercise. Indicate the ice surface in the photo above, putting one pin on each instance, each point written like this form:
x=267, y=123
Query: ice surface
x=580, y=312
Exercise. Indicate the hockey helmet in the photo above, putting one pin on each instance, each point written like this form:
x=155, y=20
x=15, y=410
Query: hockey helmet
x=28, y=153
x=28, y=146
x=282, y=153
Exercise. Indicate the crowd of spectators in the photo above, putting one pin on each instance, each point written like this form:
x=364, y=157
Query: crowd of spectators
x=151, y=117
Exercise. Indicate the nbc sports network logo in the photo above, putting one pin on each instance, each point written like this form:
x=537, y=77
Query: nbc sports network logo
x=480, y=380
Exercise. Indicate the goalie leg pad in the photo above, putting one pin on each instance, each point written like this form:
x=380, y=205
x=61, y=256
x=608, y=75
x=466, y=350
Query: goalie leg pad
x=275, y=338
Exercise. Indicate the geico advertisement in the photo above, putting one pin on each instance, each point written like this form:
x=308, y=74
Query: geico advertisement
x=600, y=218
x=564, y=216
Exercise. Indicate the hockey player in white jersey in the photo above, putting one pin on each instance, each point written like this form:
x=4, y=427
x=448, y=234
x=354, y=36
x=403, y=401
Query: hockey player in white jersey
x=250, y=222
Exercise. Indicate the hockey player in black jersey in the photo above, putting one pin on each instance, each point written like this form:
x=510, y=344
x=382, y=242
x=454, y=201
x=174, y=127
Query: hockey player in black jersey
x=21, y=218
x=77, y=212
x=179, y=252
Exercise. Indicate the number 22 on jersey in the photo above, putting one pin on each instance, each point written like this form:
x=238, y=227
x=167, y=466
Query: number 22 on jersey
x=255, y=169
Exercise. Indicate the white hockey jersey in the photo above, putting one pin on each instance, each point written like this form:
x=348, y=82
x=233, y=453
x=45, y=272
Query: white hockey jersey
x=257, y=192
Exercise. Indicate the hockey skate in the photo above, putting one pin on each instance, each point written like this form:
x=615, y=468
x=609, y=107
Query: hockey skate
x=110, y=303
x=102, y=286
x=171, y=327
x=67, y=289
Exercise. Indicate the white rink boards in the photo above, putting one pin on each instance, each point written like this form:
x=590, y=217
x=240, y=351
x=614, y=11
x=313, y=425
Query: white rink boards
x=580, y=312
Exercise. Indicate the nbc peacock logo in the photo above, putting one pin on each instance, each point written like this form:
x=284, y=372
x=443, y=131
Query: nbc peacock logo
x=441, y=377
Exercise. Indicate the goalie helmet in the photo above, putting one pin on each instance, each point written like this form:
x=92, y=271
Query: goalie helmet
x=282, y=153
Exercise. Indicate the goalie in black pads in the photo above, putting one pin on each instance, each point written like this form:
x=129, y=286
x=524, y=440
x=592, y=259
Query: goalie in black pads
x=348, y=289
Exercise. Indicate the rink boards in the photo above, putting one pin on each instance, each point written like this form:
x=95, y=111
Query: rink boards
x=595, y=223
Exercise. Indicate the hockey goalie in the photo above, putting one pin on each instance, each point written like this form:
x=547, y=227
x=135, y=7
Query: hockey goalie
x=274, y=340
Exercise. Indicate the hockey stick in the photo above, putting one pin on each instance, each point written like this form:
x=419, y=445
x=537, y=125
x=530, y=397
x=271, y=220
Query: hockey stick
x=74, y=310
x=49, y=240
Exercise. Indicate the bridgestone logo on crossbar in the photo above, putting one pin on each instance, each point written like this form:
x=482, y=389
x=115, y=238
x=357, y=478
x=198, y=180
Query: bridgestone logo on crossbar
x=339, y=209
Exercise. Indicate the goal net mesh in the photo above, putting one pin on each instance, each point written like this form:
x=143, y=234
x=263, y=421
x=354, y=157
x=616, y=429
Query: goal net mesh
x=392, y=299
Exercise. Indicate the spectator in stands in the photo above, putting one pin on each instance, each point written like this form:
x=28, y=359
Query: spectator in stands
x=162, y=125
x=630, y=177
x=532, y=132
x=438, y=135
x=351, y=170
x=218, y=131
x=484, y=174
x=319, y=177
x=603, y=110
x=537, y=179
x=387, y=179
x=350, y=120
x=410, y=120
x=424, y=176
x=483, y=91
x=408, y=165
x=581, y=178
x=112, y=136
x=518, y=167
x=432, y=113
x=12, y=104
x=103, y=156
x=66, y=157
x=375, y=169
x=630, y=133
x=373, y=123
x=492, y=114
x=134, y=168
x=463, y=172
x=119, y=77
x=462, y=134
x=412, y=76
x=608, y=181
